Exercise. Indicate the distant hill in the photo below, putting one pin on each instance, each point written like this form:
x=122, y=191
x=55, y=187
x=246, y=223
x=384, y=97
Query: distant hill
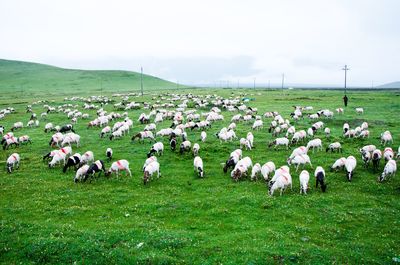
x=25, y=77
x=391, y=85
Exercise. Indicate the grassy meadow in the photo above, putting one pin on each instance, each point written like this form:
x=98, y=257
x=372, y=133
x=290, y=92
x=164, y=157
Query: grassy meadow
x=181, y=219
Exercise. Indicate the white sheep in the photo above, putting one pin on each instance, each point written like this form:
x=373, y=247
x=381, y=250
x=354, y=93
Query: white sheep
x=339, y=164
x=327, y=132
x=360, y=110
x=280, y=141
x=156, y=148
x=255, y=171
x=58, y=157
x=388, y=153
x=320, y=178
x=267, y=169
x=281, y=180
x=363, y=134
x=149, y=170
x=203, y=136
x=13, y=162
x=257, y=125
x=17, y=125
x=149, y=160
x=241, y=168
x=71, y=138
x=87, y=157
x=350, y=165
x=389, y=170
x=368, y=148
x=315, y=143
x=304, y=178
x=104, y=131
x=81, y=172
x=198, y=166
x=250, y=138
x=185, y=146
x=336, y=146
x=300, y=160
x=386, y=137
x=120, y=165
x=245, y=143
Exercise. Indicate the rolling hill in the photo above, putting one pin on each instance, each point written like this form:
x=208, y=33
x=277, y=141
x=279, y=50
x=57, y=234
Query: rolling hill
x=391, y=85
x=27, y=77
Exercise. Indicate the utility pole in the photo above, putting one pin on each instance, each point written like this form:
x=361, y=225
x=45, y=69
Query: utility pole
x=283, y=79
x=141, y=80
x=345, y=69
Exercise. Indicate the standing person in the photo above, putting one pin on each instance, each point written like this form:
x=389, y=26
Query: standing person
x=345, y=100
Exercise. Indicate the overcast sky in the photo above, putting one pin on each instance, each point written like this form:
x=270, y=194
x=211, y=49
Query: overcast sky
x=211, y=41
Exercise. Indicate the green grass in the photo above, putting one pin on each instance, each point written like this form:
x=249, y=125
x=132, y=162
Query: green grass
x=22, y=78
x=180, y=219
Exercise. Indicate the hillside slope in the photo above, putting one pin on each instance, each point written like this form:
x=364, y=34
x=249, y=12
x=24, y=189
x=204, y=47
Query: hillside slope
x=26, y=77
x=391, y=85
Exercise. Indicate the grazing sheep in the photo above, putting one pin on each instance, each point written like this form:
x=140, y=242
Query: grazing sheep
x=87, y=157
x=389, y=170
x=388, y=153
x=350, y=165
x=120, y=165
x=364, y=126
x=198, y=166
x=386, y=137
x=255, y=171
x=172, y=143
x=104, y=131
x=143, y=135
x=336, y=146
x=164, y=132
x=241, y=168
x=304, y=178
x=203, y=136
x=71, y=138
x=340, y=110
x=185, y=146
x=148, y=161
x=80, y=173
x=319, y=178
x=267, y=169
x=281, y=180
x=339, y=164
x=376, y=158
x=300, y=160
x=302, y=150
x=315, y=143
x=363, y=134
x=366, y=157
x=346, y=128
x=10, y=141
x=96, y=167
x=109, y=154
x=196, y=148
x=327, y=132
x=257, y=125
x=73, y=161
x=250, y=138
x=368, y=148
x=116, y=135
x=299, y=136
x=48, y=127
x=157, y=148
x=310, y=133
x=233, y=159
x=280, y=141
x=13, y=162
x=245, y=143
x=149, y=170
x=17, y=125
x=360, y=110
x=56, y=139
x=57, y=157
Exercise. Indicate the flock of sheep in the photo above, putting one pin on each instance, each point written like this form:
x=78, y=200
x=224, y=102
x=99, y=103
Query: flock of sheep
x=183, y=113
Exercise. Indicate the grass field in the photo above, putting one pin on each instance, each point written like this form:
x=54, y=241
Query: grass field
x=181, y=219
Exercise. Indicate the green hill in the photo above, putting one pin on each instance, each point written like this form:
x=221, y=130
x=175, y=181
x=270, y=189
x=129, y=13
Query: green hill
x=26, y=77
